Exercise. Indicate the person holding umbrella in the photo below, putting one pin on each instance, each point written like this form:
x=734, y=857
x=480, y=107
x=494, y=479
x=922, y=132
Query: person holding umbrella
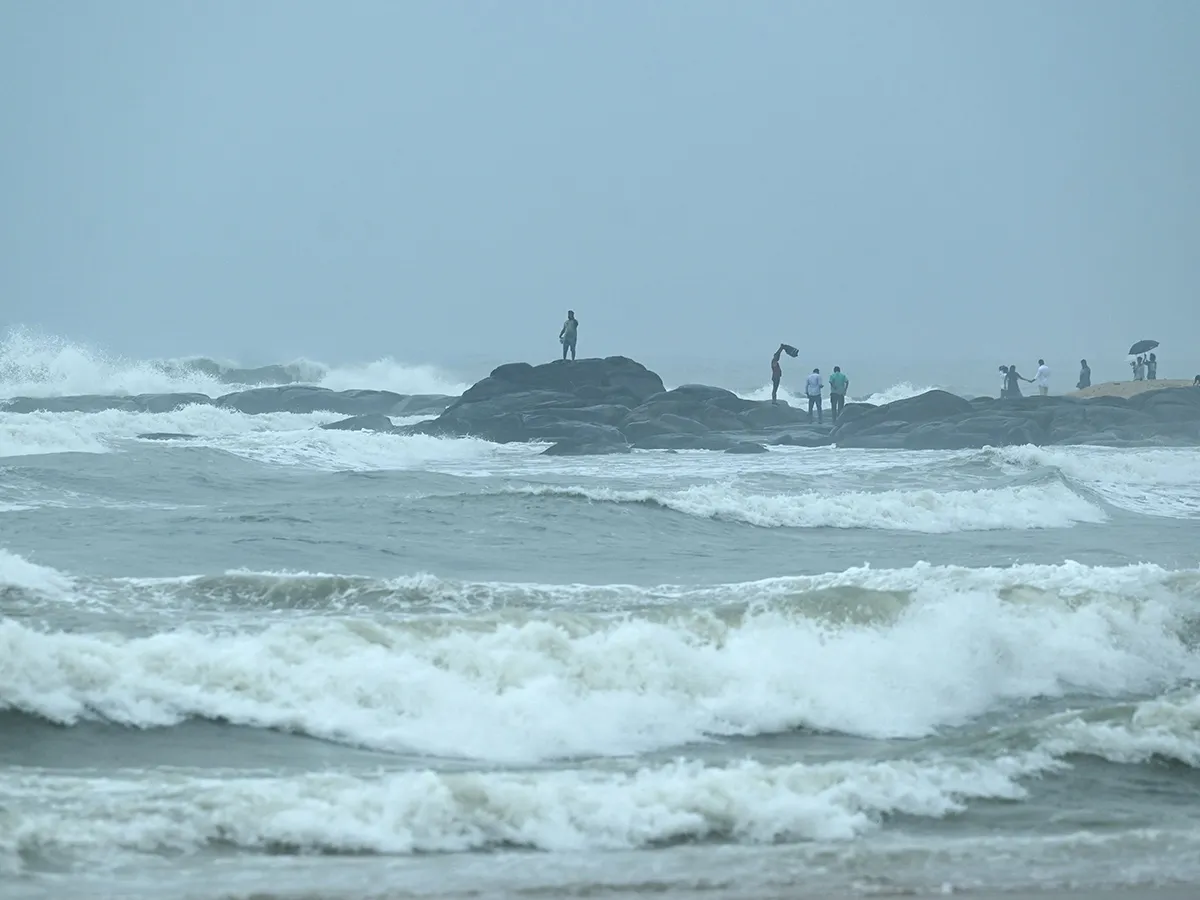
x=1139, y=365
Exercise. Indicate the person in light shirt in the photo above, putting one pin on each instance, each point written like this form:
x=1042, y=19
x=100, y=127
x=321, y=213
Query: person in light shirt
x=813, y=386
x=1042, y=378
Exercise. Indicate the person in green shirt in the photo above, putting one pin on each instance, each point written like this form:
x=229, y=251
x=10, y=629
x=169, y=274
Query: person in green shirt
x=838, y=383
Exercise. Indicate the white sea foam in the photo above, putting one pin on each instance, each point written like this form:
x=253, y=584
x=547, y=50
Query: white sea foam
x=899, y=391
x=928, y=511
x=543, y=685
x=423, y=811
x=277, y=438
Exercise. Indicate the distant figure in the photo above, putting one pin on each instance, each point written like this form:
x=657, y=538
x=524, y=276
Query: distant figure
x=1014, y=382
x=1085, y=376
x=812, y=389
x=838, y=384
x=1139, y=369
x=1152, y=368
x=1196, y=383
x=567, y=335
x=776, y=374
x=1042, y=377
x=1003, y=382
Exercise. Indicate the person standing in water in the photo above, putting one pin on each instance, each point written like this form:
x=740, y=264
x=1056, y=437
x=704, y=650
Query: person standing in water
x=567, y=335
x=838, y=384
x=1085, y=375
x=1042, y=377
x=813, y=386
x=1152, y=368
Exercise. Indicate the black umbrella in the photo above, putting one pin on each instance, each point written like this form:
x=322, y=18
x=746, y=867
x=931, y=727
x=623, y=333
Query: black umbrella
x=793, y=352
x=1142, y=347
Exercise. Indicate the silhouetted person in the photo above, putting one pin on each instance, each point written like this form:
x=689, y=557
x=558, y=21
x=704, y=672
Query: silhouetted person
x=812, y=389
x=1014, y=382
x=838, y=385
x=776, y=374
x=1003, y=382
x=1085, y=376
x=1196, y=382
x=567, y=335
x=1151, y=367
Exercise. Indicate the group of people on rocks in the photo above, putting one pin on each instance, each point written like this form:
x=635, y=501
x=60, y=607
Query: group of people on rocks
x=814, y=385
x=1145, y=368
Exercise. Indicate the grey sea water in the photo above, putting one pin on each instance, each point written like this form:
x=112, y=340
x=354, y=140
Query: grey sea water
x=283, y=662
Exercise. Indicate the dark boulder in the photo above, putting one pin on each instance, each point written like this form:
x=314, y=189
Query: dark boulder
x=90, y=403
x=586, y=448
x=308, y=399
x=167, y=436
x=373, y=422
x=747, y=447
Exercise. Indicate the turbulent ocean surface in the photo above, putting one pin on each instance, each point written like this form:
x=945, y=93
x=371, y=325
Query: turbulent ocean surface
x=283, y=662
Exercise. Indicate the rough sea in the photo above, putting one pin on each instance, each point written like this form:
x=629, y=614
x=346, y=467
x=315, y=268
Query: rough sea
x=280, y=662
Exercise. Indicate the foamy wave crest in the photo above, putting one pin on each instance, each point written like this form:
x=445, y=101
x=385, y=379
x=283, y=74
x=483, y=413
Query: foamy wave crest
x=38, y=365
x=1151, y=481
x=18, y=574
x=928, y=511
x=514, y=686
x=35, y=365
x=431, y=812
x=899, y=391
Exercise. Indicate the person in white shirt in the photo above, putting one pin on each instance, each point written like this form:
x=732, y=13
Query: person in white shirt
x=1042, y=378
x=812, y=389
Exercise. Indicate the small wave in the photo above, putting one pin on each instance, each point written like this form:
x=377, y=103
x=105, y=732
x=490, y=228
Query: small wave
x=1149, y=481
x=516, y=686
x=900, y=391
x=927, y=511
x=1164, y=728
x=287, y=439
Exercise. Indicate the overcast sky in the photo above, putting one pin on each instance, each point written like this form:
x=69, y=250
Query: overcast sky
x=440, y=180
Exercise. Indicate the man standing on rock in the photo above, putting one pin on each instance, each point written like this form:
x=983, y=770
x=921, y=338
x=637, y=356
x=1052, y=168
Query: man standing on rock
x=1042, y=378
x=838, y=385
x=812, y=389
x=567, y=335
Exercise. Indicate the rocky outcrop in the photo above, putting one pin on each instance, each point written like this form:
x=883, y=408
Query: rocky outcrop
x=288, y=398
x=940, y=421
x=613, y=405
x=610, y=405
